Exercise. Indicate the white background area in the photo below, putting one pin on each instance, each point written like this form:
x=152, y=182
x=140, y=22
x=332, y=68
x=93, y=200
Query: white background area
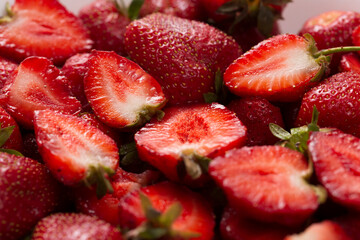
x=295, y=13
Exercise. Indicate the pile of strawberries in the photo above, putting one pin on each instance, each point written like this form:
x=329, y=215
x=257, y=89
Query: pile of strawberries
x=191, y=119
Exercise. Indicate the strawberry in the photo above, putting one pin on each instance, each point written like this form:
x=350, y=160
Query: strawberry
x=336, y=100
x=267, y=183
x=350, y=223
x=166, y=211
x=42, y=28
x=121, y=94
x=181, y=144
x=74, y=70
x=336, y=158
x=75, y=151
x=350, y=62
x=107, y=208
x=234, y=226
x=256, y=114
x=74, y=226
x=7, y=68
x=9, y=127
x=326, y=230
x=189, y=9
x=106, y=25
x=37, y=84
x=183, y=55
x=28, y=193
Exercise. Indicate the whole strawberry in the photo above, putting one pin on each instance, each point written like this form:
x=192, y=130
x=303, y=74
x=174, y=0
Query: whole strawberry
x=182, y=55
x=336, y=99
x=7, y=67
x=28, y=193
x=74, y=226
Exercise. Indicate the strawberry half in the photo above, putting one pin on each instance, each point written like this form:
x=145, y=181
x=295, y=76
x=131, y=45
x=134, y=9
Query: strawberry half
x=36, y=85
x=75, y=151
x=336, y=159
x=180, y=144
x=173, y=210
x=42, y=28
x=120, y=92
x=182, y=55
x=74, y=226
x=267, y=183
x=28, y=193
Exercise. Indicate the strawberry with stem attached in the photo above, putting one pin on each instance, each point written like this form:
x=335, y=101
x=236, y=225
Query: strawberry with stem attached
x=281, y=68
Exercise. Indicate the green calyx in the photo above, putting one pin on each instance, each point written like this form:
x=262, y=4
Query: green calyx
x=99, y=175
x=132, y=11
x=192, y=165
x=146, y=114
x=9, y=14
x=221, y=93
x=158, y=225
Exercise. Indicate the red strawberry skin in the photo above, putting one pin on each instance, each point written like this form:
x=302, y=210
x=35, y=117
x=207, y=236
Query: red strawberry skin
x=256, y=114
x=42, y=28
x=7, y=68
x=336, y=100
x=70, y=146
x=196, y=216
x=279, y=69
x=119, y=91
x=36, y=85
x=207, y=130
x=72, y=226
x=106, y=25
x=266, y=183
x=28, y=193
x=15, y=141
x=182, y=55
x=336, y=159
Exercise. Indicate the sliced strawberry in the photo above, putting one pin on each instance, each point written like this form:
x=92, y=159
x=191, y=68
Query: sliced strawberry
x=120, y=92
x=74, y=226
x=106, y=25
x=7, y=68
x=28, y=193
x=350, y=62
x=326, y=230
x=74, y=70
x=75, y=151
x=256, y=114
x=180, y=144
x=177, y=212
x=234, y=226
x=280, y=69
x=267, y=183
x=42, y=28
x=336, y=158
x=36, y=85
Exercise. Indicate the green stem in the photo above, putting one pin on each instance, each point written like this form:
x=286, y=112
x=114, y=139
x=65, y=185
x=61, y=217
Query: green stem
x=337, y=50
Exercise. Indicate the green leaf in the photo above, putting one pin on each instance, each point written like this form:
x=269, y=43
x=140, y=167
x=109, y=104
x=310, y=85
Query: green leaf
x=210, y=97
x=265, y=20
x=134, y=9
x=5, y=134
x=231, y=7
x=153, y=233
x=279, y=132
x=170, y=215
x=127, y=148
x=313, y=127
x=11, y=151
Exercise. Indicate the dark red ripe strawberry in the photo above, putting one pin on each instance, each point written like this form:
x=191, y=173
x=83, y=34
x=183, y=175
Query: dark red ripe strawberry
x=350, y=62
x=355, y=36
x=234, y=226
x=279, y=69
x=73, y=150
x=74, y=226
x=120, y=92
x=106, y=25
x=37, y=84
x=7, y=68
x=15, y=140
x=195, y=218
x=27, y=193
x=74, y=70
x=42, y=28
x=336, y=99
x=256, y=114
x=336, y=159
x=189, y=9
x=326, y=230
x=182, y=55
x=187, y=135
x=266, y=183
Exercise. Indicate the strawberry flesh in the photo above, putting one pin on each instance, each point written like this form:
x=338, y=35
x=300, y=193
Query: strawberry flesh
x=350, y=62
x=266, y=183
